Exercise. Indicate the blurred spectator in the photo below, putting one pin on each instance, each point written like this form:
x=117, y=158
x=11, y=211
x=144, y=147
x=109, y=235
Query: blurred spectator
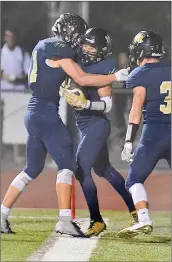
x=120, y=102
x=14, y=63
x=1, y=124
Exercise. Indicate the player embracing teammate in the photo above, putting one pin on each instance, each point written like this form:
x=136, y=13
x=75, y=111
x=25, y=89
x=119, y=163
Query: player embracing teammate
x=46, y=131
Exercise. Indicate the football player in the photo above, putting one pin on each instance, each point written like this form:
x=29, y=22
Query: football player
x=151, y=84
x=91, y=105
x=46, y=131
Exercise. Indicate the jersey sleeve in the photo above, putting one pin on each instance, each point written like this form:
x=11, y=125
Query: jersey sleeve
x=110, y=67
x=106, y=67
x=59, y=50
x=135, y=79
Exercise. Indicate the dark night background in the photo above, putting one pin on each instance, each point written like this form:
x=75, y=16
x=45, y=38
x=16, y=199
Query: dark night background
x=122, y=19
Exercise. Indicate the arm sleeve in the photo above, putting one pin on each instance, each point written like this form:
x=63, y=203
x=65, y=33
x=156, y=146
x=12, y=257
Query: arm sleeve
x=105, y=105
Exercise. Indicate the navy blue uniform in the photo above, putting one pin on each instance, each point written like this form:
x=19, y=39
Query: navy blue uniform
x=155, y=141
x=46, y=131
x=92, y=151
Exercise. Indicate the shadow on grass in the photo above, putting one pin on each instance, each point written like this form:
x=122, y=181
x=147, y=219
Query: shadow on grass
x=155, y=239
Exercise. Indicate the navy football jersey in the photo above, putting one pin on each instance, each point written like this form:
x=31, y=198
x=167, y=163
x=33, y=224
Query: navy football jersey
x=156, y=78
x=104, y=67
x=44, y=81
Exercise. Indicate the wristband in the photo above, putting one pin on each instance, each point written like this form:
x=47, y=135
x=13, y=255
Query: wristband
x=131, y=132
x=96, y=105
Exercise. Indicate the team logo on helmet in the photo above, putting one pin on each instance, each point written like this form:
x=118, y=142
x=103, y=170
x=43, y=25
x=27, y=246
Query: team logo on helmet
x=108, y=39
x=138, y=39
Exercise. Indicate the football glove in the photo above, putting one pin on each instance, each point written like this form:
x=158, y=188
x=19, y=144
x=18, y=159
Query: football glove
x=122, y=74
x=76, y=98
x=127, y=154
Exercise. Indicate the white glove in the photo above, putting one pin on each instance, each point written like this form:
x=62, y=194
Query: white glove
x=122, y=74
x=126, y=154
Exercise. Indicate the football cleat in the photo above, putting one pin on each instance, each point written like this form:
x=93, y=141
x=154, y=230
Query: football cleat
x=141, y=227
x=95, y=228
x=5, y=227
x=67, y=226
x=134, y=218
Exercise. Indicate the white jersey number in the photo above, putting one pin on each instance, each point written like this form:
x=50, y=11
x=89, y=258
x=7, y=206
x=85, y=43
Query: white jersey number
x=165, y=88
x=33, y=71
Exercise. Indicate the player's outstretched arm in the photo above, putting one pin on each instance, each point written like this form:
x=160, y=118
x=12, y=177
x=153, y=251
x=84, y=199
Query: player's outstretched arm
x=84, y=79
x=139, y=95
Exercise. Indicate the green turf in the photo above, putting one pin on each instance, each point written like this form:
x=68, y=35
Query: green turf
x=155, y=247
x=32, y=233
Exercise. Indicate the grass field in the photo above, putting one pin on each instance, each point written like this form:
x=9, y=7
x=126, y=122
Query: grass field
x=156, y=247
x=39, y=224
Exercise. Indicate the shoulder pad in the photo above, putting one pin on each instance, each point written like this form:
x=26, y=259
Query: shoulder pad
x=106, y=66
x=59, y=49
x=136, y=78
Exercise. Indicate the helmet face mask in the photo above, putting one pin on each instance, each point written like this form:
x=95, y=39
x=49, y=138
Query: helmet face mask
x=88, y=54
x=70, y=27
x=99, y=41
x=146, y=44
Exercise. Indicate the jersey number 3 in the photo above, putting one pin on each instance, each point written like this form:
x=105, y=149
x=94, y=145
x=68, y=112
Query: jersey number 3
x=33, y=69
x=165, y=88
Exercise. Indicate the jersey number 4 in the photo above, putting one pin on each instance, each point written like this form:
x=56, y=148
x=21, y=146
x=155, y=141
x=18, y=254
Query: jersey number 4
x=165, y=88
x=33, y=70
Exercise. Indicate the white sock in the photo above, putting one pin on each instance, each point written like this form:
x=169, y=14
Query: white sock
x=143, y=215
x=65, y=212
x=5, y=211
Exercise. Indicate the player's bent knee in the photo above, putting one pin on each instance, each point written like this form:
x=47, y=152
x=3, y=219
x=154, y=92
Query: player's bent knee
x=21, y=181
x=64, y=176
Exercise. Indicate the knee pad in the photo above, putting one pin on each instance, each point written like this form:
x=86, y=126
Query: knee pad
x=138, y=193
x=21, y=181
x=64, y=177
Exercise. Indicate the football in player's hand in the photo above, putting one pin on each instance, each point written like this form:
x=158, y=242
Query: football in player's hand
x=75, y=97
x=78, y=92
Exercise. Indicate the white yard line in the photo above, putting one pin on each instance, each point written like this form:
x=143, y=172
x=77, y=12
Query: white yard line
x=34, y=217
x=64, y=248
